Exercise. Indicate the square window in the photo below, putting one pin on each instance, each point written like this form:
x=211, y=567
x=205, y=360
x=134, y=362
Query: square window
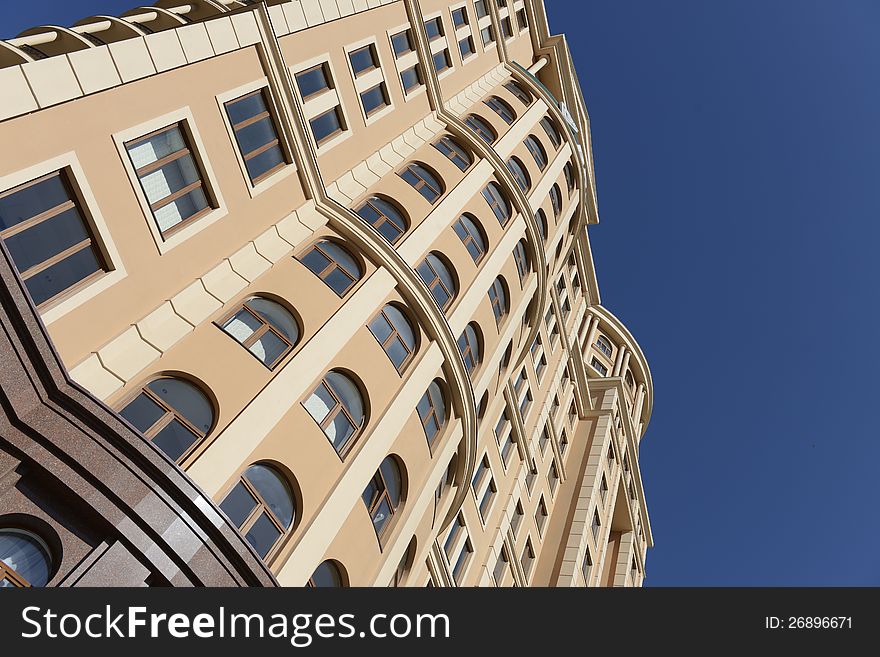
x=314, y=81
x=363, y=60
x=374, y=99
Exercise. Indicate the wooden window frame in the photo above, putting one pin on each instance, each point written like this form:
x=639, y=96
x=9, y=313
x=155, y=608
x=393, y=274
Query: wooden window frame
x=412, y=168
x=374, y=57
x=471, y=239
x=378, y=497
x=325, y=72
x=452, y=154
x=501, y=108
x=339, y=407
x=432, y=415
x=384, y=218
x=496, y=203
x=521, y=94
x=395, y=333
x=470, y=350
x=556, y=200
x=437, y=280
x=385, y=97
x=8, y=574
x=201, y=183
x=521, y=258
x=331, y=267
x=604, y=343
x=259, y=333
x=72, y=203
x=478, y=124
x=537, y=150
x=169, y=416
x=260, y=507
x=499, y=309
x=339, y=130
x=255, y=119
x=552, y=132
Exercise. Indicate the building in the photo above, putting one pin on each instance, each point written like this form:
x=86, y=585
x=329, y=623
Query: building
x=330, y=257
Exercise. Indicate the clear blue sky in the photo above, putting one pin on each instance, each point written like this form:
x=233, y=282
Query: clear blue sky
x=737, y=155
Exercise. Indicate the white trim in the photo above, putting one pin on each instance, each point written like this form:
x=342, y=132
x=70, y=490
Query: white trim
x=91, y=214
x=281, y=174
x=199, y=153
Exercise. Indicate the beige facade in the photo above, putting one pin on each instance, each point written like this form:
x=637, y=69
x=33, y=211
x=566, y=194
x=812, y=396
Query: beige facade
x=533, y=478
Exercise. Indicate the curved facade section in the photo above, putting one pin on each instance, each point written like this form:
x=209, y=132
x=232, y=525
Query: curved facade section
x=352, y=297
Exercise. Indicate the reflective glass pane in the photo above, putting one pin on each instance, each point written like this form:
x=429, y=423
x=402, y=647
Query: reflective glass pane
x=244, y=108
x=319, y=403
x=46, y=239
x=348, y=394
x=262, y=535
x=241, y=325
x=275, y=314
x=174, y=439
x=142, y=412
x=186, y=399
x=31, y=201
x=62, y=275
x=274, y=491
x=25, y=555
x=326, y=576
x=238, y=504
x=269, y=348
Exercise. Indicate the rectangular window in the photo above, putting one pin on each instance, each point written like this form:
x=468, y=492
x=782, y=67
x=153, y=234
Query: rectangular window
x=401, y=43
x=541, y=516
x=521, y=20
x=256, y=134
x=587, y=566
x=597, y=526
x=459, y=17
x=518, y=515
x=505, y=447
x=327, y=125
x=314, y=80
x=599, y=367
x=554, y=477
x=502, y=567
x=50, y=242
x=363, y=60
x=441, y=60
x=552, y=329
x=544, y=439
x=482, y=9
x=506, y=28
x=374, y=99
x=434, y=28
x=603, y=489
x=411, y=78
x=487, y=35
x=466, y=47
x=487, y=498
x=572, y=414
x=563, y=443
x=531, y=475
x=528, y=558
x=170, y=177
x=458, y=548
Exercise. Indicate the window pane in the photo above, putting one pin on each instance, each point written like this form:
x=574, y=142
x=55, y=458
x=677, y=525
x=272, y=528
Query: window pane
x=401, y=43
x=245, y=108
x=174, y=439
x=46, y=239
x=269, y=348
x=180, y=209
x=397, y=352
x=391, y=473
x=274, y=491
x=156, y=147
x=62, y=275
x=326, y=576
x=410, y=78
x=186, y=399
x=441, y=60
x=338, y=281
x=238, y=504
x=373, y=99
x=255, y=135
x=312, y=81
x=277, y=316
x=262, y=535
x=325, y=125
x=32, y=201
x=242, y=325
x=26, y=556
x=265, y=161
x=362, y=59
x=381, y=515
x=142, y=412
x=347, y=393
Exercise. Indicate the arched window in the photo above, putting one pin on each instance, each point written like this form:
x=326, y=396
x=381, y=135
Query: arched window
x=604, y=345
x=630, y=382
x=326, y=575
x=338, y=408
x=521, y=257
x=569, y=176
x=469, y=346
x=439, y=280
x=333, y=265
x=261, y=506
x=556, y=199
x=498, y=299
x=172, y=413
x=424, y=181
x=471, y=235
x=383, y=494
x=24, y=559
x=501, y=108
x=537, y=151
x=496, y=200
x=541, y=220
x=552, y=132
x=432, y=411
x=265, y=328
x=396, y=335
x=483, y=129
x=519, y=173
x=513, y=87
x=454, y=151
x=384, y=216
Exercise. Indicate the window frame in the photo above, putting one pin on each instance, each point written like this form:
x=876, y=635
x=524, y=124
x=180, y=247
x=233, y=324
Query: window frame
x=332, y=266
x=413, y=168
x=339, y=407
x=261, y=507
x=266, y=327
x=269, y=113
x=395, y=333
